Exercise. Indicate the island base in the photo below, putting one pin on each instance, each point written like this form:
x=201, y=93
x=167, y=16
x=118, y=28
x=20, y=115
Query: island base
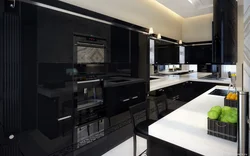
x=157, y=147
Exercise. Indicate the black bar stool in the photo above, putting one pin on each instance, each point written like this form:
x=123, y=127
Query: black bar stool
x=140, y=121
x=161, y=105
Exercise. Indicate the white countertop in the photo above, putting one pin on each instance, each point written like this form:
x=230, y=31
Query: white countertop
x=187, y=127
x=170, y=80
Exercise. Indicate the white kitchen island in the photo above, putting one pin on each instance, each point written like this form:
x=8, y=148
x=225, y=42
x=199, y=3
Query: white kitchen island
x=186, y=128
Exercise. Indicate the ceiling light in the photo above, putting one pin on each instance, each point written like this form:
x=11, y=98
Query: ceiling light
x=190, y=1
x=180, y=41
x=151, y=31
x=159, y=36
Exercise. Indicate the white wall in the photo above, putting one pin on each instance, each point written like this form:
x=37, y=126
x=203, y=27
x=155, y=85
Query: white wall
x=246, y=55
x=146, y=13
x=240, y=46
x=198, y=28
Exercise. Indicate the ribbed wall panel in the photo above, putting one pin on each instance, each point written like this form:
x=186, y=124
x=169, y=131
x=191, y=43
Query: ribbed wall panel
x=12, y=74
x=10, y=151
x=10, y=81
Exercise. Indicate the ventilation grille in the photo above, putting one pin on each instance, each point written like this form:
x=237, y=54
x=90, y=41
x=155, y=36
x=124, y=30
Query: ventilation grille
x=11, y=74
x=202, y=4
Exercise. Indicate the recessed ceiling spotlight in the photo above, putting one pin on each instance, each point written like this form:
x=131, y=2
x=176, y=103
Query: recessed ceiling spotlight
x=190, y=1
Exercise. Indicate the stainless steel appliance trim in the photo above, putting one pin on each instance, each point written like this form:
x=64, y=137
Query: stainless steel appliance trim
x=64, y=118
x=89, y=81
x=135, y=97
x=243, y=127
x=125, y=100
x=95, y=45
x=80, y=15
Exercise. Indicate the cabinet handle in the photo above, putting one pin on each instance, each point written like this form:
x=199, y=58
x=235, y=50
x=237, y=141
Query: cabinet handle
x=125, y=100
x=64, y=118
x=135, y=97
x=89, y=81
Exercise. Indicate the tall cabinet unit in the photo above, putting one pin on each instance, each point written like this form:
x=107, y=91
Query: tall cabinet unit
x=225, y=32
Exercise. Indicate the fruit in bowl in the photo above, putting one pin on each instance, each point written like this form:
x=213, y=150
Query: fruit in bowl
x=232, y=96
x=225, y=114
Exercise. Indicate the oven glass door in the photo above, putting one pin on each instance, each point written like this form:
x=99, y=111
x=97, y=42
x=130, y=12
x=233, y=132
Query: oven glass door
x=90, y=53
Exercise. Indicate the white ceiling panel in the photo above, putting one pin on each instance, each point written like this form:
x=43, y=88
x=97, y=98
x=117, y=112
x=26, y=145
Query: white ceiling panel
x=190, y=8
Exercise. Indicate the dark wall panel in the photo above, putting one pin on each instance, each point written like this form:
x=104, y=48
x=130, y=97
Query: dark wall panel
x=12, y=73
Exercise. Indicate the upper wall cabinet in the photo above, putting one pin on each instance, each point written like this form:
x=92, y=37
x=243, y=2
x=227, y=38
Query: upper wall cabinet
x=225, y=32
x=55, y=31
x=200, y=54
x=166, y=53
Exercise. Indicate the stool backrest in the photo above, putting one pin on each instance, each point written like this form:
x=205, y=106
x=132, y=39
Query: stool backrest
x=139, y=112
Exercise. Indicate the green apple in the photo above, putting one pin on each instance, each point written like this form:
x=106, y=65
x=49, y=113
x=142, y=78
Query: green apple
x=213, y=115
x=224, y=119
x=231, y=118
x=216, y=108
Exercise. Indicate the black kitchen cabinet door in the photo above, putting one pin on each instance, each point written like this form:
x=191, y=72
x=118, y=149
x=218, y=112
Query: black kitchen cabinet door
x=139, y=44
x=225, y=31
x=166, y=53
x=54, y=36
x=201, y=54
x=47, y=98
x=120, y=50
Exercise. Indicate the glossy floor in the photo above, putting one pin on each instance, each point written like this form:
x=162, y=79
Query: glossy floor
x=126, y=148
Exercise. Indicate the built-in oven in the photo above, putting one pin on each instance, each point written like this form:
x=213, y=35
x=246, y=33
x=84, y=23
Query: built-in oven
x=90, y=49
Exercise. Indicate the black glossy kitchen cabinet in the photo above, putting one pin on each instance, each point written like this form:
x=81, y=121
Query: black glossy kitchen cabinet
x=120, y=50
x=55, y=32
x=187, y=91
x=139, y=44
x=199, y=54
x=225, y=31
x=166, y=53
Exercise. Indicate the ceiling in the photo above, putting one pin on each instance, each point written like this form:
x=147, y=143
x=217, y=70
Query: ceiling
x=186, y=9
